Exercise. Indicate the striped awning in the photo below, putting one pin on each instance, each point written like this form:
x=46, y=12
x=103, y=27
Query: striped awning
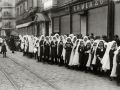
x=24, y=25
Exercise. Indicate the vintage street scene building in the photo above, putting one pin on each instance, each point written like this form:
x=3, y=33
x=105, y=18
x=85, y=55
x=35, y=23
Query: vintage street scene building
x=7, y=17
x=67, y=17
x=59, y=44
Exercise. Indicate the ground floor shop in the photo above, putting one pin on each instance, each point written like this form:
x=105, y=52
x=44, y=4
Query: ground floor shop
x=85, y=20
x=117, y=19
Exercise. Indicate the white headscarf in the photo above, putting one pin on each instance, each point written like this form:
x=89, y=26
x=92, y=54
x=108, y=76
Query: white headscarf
x=106, y=58
x=75, y=60
x=85, y=37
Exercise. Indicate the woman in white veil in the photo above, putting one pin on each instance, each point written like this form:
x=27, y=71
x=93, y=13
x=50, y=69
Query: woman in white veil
x=106, y=58
x=64, y=51
x=75, y=61
x=73, y=52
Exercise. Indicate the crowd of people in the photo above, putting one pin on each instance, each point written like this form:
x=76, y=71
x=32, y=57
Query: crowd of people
x=89, y=54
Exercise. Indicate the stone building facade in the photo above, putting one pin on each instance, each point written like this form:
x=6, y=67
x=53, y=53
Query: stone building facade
x=7, y=17
x=100, y=17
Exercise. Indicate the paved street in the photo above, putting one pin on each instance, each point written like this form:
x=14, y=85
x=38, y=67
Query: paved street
x=30, y=75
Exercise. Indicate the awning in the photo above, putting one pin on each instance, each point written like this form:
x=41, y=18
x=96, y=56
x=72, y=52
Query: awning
x=24, y=25
x=40, y=17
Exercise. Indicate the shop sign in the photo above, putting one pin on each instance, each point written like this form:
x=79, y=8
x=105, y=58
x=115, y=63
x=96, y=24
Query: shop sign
x=88, y=5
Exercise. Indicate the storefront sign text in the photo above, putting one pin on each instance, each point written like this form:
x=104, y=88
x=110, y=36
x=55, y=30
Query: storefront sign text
x=88, y=5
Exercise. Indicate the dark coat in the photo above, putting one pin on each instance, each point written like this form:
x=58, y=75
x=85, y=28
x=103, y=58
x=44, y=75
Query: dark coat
x=4, y=48
x=81, y=54
x=54, y=49
x=12, y=44
x=111, y=55
x=46, y=48
x=86, y=55
x=99, y=53
x=118, y=65
x=68, y=47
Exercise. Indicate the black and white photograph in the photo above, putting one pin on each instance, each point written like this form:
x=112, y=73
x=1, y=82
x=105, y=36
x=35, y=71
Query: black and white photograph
x=59, y=44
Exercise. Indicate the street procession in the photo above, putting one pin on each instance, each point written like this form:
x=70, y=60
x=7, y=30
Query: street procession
x=59, y=44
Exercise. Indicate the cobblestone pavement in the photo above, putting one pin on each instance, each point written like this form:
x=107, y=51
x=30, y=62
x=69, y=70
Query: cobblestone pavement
x=5, y=83
x=24, y=78
x=64, y=79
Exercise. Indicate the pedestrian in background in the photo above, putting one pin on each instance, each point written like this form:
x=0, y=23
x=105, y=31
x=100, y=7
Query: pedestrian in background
x=12, y=44
x=4, y=49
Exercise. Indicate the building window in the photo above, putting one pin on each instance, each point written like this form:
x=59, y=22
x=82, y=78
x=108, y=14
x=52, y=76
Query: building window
x=20, y=10
x=24, y=7
x=17, y=11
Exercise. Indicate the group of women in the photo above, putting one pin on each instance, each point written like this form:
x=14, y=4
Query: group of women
x=85, y=54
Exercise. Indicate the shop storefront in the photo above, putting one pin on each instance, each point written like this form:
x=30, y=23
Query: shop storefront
x=65, y=24
x=76, y=24
x=117, y=19
x=91, y=17
x=84, y=18
x=97, y=21
x=56, y=25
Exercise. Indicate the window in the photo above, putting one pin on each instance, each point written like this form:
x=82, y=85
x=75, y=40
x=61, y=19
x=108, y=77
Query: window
x=35, y=2
x=24, y=8
x=17, y=11
x=20, y=10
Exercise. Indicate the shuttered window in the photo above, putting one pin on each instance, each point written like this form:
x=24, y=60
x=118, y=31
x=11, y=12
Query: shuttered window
x=117, y=20
x=97, y=21
x=56, y=24
x=65, y=25
x=76, y=23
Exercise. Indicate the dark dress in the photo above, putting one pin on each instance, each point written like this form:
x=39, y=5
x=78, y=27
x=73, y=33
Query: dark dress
x=99, y=53
x=118, y=65
x=12, y=44
x=53, y=49
x=60, y=48
x=68, y=47
x=81, y=55
x=92, y=55
x=46, y=49
x=86, y=56
x=4, y=48
x=41, y=44
x=111, y=55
